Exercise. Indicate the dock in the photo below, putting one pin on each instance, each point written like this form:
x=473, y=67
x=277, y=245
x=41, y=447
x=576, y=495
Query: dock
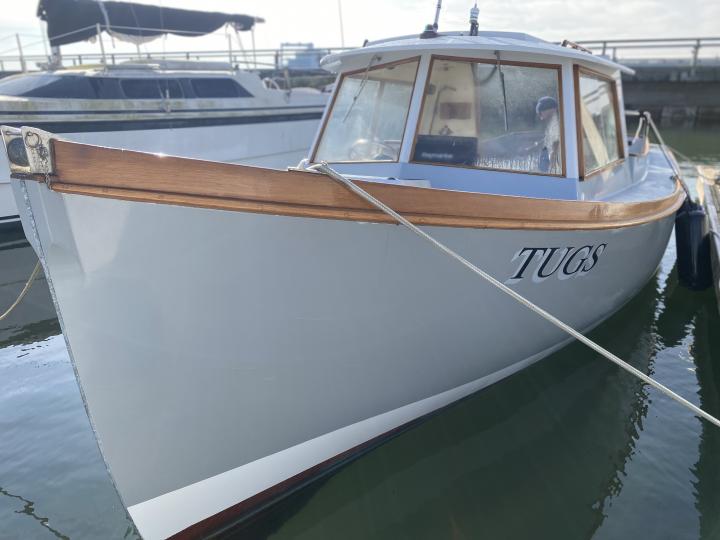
x=711, y=202
x=676, y=79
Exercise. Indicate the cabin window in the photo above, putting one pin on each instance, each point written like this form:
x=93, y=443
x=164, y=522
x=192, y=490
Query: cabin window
x=502, y=116
x=107, y=87
x=214, y=87
x=170, y=88
x=598, y=123
x=44, y=86
x=141, y=88
x=146, y=88
x=368, y=115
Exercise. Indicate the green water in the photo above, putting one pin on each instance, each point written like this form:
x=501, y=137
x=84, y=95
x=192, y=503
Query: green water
x=571, y=448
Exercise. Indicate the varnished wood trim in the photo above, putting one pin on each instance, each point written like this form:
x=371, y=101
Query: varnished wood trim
x=119, y=174
x=577, y=71
x=493, y=61
x=561, y=118
x=578, y=125
x=338, y=85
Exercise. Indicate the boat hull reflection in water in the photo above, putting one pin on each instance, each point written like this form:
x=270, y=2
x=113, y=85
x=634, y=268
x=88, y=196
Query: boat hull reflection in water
x=34, y=317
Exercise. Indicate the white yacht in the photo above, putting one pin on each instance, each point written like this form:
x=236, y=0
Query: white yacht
x=208, y=110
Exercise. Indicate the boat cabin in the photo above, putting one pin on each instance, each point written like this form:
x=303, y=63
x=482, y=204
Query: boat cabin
x=141, y=85
x=67, y=99
x=498, y=112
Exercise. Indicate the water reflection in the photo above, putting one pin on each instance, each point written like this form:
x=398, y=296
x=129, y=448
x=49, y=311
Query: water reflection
x=29, y=510
x=706, y=345
x=34, y=318
x=53, y=481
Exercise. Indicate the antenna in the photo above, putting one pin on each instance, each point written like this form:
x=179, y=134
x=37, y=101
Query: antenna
x=431, y=29
x=437, y=14
x=474, y=12
x=342, y=30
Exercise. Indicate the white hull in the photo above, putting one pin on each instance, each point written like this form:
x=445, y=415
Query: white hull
x=221, y=353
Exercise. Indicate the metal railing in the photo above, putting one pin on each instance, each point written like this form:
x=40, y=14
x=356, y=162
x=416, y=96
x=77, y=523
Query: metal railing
x=301, y=56
x=688, y=50
x=683, y=48
x=293, y=58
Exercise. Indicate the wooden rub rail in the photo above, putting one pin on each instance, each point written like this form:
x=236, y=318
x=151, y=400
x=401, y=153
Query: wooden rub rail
x=120, y=174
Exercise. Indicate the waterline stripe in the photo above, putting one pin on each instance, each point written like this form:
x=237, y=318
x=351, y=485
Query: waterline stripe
x=179, y=510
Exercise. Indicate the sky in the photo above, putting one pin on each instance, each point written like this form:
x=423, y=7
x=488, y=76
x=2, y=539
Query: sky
x=317, y=21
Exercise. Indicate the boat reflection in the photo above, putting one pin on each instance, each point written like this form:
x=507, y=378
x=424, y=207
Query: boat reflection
x=34, y=318
x=707, y=469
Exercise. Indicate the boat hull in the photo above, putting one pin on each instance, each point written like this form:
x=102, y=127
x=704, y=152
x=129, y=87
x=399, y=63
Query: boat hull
x=223, y=353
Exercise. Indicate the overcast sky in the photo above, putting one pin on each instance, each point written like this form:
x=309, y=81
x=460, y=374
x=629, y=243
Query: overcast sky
x=317, y=20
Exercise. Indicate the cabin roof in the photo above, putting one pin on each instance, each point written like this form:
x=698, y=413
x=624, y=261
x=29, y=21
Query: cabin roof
x=463, y=42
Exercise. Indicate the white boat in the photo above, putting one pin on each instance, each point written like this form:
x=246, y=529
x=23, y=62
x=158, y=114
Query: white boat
x=237, y=330
x=209, y=110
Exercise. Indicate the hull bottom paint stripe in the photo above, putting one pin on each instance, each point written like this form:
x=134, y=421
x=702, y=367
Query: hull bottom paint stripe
x=202, y=508
x=165, y=123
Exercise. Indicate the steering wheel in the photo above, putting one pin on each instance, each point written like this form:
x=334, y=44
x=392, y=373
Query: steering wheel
x=361, y=149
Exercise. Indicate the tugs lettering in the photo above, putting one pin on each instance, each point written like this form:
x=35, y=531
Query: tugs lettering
x=540, y=263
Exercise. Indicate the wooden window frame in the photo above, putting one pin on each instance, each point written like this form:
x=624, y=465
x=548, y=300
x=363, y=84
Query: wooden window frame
x=338, y=86
x=579, y=70
x=470, y=60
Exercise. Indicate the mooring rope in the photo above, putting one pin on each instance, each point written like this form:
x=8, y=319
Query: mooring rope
x=705, y=178
x=666, y=154
x=326, y=169
x=29, y=283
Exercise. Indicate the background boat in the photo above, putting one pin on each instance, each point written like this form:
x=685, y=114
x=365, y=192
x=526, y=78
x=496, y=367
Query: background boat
x=208, y=110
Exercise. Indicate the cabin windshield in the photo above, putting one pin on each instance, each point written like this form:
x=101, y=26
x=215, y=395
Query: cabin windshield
x=484, y=114
x=367, y=119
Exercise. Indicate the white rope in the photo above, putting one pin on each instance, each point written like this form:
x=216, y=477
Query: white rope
x=666, y=154
x=705, y=178
x=29, y=283
x=324, y=168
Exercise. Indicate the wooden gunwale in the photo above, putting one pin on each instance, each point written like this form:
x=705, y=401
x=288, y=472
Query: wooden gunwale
x=81, y=169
